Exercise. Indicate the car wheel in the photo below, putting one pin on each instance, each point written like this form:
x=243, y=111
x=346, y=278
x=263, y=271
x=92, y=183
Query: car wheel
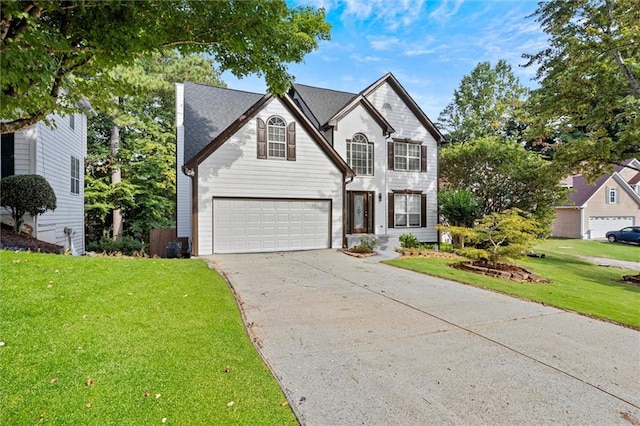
x=612, y=238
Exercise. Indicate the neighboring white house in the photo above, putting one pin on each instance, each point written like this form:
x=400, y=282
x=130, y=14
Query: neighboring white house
x=611, y=203
x=56, y=153
x=314, y=168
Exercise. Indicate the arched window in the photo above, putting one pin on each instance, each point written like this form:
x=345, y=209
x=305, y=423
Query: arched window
x=276, y=137
x=360, y=154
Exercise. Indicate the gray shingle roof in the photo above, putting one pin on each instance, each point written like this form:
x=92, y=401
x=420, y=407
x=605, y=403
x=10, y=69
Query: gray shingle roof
x=323, y=103
x=210, y=110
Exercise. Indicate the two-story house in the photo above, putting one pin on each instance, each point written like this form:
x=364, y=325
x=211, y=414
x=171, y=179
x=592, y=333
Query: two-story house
x=56, y=152
x=314, y=168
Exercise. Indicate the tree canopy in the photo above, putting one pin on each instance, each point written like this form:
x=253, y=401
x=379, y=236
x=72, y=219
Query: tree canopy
x=54, y=54
x=589, y=99
x=502, y=175
x=487, y=102
x=146, y=154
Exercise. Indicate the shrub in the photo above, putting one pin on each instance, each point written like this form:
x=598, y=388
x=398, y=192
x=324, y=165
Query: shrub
x=366, y=245
x=126, y=245
x=409, y=241
x=21, y=194
x=448, y=247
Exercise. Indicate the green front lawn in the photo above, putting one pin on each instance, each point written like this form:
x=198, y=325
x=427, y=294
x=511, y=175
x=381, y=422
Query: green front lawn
x=125, y=341
x=577, y=285
x=591, y=248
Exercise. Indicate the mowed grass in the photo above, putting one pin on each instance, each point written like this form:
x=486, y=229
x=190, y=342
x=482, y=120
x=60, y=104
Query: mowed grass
x=576, y=284
x=127, y=342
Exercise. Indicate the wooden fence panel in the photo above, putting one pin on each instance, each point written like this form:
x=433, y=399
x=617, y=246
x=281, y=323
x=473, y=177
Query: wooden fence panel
x=158, y=241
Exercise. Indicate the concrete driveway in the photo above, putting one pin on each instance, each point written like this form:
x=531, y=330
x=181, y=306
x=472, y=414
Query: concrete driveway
x=353, y=341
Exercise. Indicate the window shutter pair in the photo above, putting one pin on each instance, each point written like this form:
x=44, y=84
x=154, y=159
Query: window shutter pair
x=392, y=214
x=262, y=140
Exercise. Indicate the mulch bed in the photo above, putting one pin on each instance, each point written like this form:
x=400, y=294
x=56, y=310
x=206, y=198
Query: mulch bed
x=354, y=254
x=504, y=271
x=9, y=240
x=428, y=253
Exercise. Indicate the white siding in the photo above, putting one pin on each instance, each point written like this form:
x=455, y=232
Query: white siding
x=359, y=121
x=183, y=182
x=234, y=171
x=406, y=125
x=53, y=151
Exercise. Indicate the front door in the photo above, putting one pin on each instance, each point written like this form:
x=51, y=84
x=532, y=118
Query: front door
x=360, y=209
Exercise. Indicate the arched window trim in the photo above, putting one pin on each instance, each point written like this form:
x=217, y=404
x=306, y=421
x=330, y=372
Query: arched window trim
x=276, y=137
x=360, y=154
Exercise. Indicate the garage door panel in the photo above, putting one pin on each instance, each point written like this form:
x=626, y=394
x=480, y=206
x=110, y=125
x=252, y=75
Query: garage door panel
x=262, y=225
x=600, y=225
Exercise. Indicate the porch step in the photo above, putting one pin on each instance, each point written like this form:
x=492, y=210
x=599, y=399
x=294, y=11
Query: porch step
x=384, y=242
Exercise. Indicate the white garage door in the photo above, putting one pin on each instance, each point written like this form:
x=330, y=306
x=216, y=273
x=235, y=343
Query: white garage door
x=600, y=225
x=249, y=225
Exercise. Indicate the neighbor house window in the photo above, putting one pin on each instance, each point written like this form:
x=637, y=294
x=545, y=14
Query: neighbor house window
x=407, y=210
x=360, y=154
x=8, y=148
x=276, y=137
x=612, y=196
x=406, y=156
x=75, y=175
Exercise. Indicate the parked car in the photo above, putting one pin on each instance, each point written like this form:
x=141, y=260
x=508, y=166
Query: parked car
x=630, y=234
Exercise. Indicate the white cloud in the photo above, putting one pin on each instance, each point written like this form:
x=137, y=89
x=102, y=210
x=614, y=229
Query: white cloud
x=392, y=14
x=366, y=58
x=383, y=42
x=445, y=11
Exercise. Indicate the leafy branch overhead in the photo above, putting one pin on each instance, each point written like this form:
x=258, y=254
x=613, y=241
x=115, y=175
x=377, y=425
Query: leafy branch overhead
x=55, y=54
x=589, y=99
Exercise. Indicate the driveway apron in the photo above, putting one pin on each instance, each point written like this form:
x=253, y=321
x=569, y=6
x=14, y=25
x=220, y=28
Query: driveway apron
x=356, y=342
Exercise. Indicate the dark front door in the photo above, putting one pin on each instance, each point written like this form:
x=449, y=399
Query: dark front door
x=360, y=207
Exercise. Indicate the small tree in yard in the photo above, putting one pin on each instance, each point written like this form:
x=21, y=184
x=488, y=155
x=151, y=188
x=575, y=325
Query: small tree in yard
x=500, y=236
x=459, y=208
x=22, y=194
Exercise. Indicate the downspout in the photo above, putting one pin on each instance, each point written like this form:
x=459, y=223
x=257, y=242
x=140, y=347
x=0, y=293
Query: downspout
x=193, y=174
x=344, y=211
x=582, y=233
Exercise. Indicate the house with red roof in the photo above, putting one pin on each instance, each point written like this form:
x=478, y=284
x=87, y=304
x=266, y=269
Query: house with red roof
x=610, y=203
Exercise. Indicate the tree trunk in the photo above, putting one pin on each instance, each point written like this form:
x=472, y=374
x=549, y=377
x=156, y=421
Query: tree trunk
x=116, y=177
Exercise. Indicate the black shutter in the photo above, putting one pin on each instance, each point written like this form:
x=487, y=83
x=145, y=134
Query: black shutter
x=423, y=158
x=262, y=139
x=291, y=142
x=390, y=209
x=423, y=210
x=390, y=156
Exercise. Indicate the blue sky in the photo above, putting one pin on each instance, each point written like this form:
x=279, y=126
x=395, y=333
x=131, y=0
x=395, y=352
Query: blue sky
x=428, y=45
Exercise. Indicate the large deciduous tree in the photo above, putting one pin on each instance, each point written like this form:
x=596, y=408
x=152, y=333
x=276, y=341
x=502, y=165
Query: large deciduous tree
x=502, y=175
x=590, y=82
x=53, y=54
x=145, y=156
x=487, y=103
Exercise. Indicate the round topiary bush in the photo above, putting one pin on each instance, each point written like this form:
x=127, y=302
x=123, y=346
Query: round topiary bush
x=21, y=194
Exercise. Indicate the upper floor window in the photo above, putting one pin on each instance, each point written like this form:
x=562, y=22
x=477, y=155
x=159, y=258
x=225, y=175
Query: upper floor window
x=276, y=139
x=72, y=121
x=360, y=154
x=612, y=196
x=406, y=156
x=75, y=175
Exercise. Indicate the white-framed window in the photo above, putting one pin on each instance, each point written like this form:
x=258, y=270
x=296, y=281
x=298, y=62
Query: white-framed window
x=360, y=154
x=276, y=137
x=612, y=196
x=72, y=121
x=75, y=175
x=406, y=209
x=406, y=156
